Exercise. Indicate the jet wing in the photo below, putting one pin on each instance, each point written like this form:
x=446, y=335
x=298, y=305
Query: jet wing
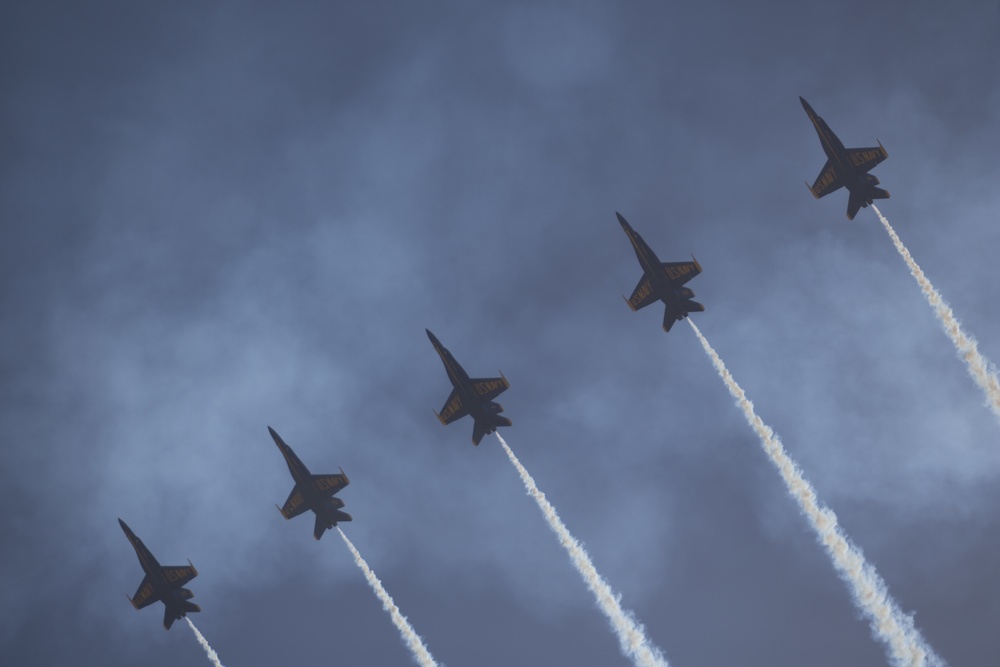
x=642, y=295
x=144, y=595
x=827, y=181
x=681, y=272
x=453, y=408
x=865, y=159
x=179, y=575
x=330, y=484
x=489, y=388
x=295, y=505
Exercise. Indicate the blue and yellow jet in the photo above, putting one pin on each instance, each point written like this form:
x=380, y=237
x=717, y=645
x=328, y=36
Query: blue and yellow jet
x=162, y=583
x=661, y=281
x=312, y=492
x=846, y=168
x=471, y=396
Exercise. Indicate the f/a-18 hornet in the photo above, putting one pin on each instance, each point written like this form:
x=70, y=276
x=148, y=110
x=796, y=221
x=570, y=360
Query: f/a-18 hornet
x=471, y=396
x=162, y=583
x=312, y=492
x=662, y=281
x=846, y=168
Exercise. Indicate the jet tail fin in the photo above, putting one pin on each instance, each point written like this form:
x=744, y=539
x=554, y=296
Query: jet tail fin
x=879, y=193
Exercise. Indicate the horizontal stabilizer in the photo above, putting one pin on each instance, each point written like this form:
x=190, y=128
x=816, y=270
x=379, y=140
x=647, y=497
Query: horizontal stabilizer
x=854, y=205
x=320, y=526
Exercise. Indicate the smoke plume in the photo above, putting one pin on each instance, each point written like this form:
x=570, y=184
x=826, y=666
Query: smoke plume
x=213, y=657
x=981, y=370
x=904, y=644
x=631, y=635
x=410, y=637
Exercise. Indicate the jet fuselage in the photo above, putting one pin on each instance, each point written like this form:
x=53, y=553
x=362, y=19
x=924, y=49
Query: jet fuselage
x=173, y=596
x=665, y=279
x=474, y=396
x=326, y=508
x=850, y=166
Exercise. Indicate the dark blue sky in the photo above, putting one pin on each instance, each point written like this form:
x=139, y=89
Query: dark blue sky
x=221, y=217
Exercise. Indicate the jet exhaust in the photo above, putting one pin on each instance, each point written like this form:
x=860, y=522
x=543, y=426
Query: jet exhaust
x=410, y=637
x=213, y=657
x=631, y=634
x=981, y=370
x=889, y=624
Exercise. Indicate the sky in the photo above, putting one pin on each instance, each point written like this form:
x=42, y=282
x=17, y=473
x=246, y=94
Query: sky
x=216, y=217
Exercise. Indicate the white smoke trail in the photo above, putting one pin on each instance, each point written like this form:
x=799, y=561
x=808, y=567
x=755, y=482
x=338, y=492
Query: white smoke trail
x=904, y=644
x=410, y=637
x=981, y=370
x=631, y=634
x=213, y=657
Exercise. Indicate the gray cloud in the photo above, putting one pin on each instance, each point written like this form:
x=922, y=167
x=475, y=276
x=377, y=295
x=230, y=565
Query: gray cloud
x=215, y=219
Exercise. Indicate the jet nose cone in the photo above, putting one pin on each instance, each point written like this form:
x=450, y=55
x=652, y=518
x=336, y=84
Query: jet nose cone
x=805, y=105
x=122, y=524
x=621, y=220
x=433, y=338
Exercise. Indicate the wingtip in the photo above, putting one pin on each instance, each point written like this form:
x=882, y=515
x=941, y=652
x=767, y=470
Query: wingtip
x=628, y=303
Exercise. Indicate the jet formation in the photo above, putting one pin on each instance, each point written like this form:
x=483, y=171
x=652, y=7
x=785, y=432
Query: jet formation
x=312, y=492
x=846, y=167
x=471, y=396
x=162, y=583
x=661, y=281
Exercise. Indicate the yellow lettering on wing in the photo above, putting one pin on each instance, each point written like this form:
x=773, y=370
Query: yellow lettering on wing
x=865, y=157
x=825, y=179
x=675, y=272
x=489, y=386
x=451, y=408
x=644, y=290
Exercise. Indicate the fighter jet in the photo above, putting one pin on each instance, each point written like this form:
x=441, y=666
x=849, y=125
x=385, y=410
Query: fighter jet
x=162, y=583
x=662, y=281
x=471, y=396
x=312, y=492
x=846, y=167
